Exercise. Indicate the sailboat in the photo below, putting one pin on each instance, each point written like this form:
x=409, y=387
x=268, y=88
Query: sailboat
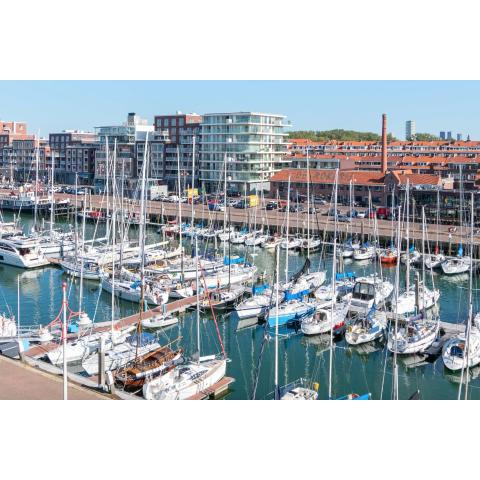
x=456, y=265
x=411, y=256
x=324, y=319
x=258, y=304
x=188, y=379
x=435, y=260
x=366, y=328
x=418, y=297
x=463, y=351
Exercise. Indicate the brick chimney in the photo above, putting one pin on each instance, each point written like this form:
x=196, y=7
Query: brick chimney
x=384, y=143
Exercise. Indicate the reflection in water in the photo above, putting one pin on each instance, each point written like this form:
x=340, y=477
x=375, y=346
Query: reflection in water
x=355, y=369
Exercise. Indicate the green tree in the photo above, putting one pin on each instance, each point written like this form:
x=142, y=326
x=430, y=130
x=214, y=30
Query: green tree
x=339, y=135
x=426, y=137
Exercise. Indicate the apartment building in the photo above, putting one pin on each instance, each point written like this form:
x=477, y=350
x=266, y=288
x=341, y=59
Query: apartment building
x=125, y=138
x=183, y=132
x=253, y=145
x=74, y=154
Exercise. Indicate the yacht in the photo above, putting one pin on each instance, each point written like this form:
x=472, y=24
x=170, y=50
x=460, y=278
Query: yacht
x=369, y=291
x=19, y=256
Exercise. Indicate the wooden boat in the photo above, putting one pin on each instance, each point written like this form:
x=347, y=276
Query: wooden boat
x=151, y=365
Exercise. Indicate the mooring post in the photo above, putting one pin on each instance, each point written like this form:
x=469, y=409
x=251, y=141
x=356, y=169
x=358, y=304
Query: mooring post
x=101, y=363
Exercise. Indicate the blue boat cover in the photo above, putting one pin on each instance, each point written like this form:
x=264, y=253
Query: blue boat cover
x=295, y=296
x=233, y=260
x=258, y=289
x=460, y=251
x=135, y=284
x=341, y=276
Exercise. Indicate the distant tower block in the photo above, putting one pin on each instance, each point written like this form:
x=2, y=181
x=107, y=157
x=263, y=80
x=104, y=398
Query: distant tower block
x=384, y=143
x=410, y=130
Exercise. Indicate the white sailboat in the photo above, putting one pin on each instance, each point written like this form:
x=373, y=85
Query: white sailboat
x=463, y=351
x=187, y=380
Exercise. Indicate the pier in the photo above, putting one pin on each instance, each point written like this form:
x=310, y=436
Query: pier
x=320, y=224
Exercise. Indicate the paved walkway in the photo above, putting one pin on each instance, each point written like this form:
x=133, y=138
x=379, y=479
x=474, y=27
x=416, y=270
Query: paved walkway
x=21, y=382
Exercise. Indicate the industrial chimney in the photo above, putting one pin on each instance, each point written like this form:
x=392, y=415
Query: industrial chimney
x=384, y=143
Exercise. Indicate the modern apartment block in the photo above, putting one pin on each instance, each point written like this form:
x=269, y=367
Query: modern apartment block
x=126, y=137
x=74, y=154
x=253, y=144
x=182, y=130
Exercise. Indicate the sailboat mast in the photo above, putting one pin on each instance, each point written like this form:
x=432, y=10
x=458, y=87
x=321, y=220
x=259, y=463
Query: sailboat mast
x=114, y=233
x=287, y=230
x=82, y=253
x=107, y=191
x=407, y=276
x=225, y=205
x=52, y=199
x=397, y=288
x=180, y=215
x=308, y=206
x=197, y=288
x=141, y=231
x=470, y=308
x=64, y=342
x=193, y=184
x=277, y=286
x=37, y=153
x=334, y=269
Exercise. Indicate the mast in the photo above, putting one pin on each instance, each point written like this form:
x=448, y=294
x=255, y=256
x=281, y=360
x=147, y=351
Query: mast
x=334, y=268
x=197, y=288
x=470, y=310
x=37, y=153
x=114, y=233
x=82, y=253
x=407, y=276
x=141, y=239
x=308, y=207
x=397, y=288
x=438, y=215
x=52, y=200
x=225, y=206
x=193, y=185
x=107, y=190
x=288, y=227
x=277, y=271
x=180, y=215
x=64, y=342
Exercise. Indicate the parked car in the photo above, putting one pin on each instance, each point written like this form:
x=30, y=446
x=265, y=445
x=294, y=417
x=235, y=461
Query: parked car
x=241, y=204
x=383, y=213
x=361, y=214
x=295, y=208
x=216, y=207
x=343, y=218
x=311, y=211
x=331, y=212
x=231, y=203
x=271, y=206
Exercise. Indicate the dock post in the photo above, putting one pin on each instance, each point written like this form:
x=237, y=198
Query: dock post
x=111, y=383
x=449, y=244
x=101, y=363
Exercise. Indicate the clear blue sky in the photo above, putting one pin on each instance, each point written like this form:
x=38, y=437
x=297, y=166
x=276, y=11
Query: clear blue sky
x=317, y=105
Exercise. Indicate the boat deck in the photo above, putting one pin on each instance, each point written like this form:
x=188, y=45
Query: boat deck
x=215, y=391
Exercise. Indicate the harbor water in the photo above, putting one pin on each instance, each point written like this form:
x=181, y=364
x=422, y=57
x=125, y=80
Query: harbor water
x=355, y=370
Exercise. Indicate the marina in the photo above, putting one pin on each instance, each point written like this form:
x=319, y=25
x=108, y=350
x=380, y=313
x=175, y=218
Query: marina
x=355, y=368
